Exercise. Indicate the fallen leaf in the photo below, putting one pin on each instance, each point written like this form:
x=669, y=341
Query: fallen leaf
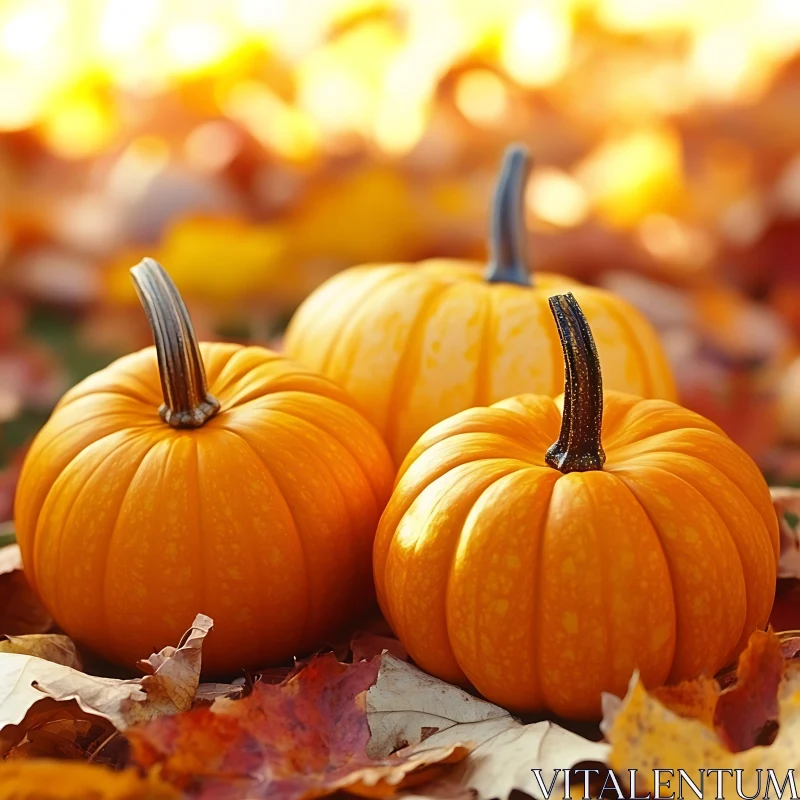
x=645, y=736
x=50, y=646
x=305, y=738
x=785, y=614
x=174, y=673
x=54, y=729
x=743, y=714
x=790, y=643
x=21, y=612
x=410, y=709
x=207, y=693
x=25, y=680
x=443, y=789
x=786, y=501
x=695, y=699
x=745, y=709
x=43, y=779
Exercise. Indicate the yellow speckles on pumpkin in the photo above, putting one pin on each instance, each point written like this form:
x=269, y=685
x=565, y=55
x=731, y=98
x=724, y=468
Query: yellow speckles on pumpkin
x=512, y=561
x=568, y=567
x=690, y=535
x=569, y=621
x=501, y=606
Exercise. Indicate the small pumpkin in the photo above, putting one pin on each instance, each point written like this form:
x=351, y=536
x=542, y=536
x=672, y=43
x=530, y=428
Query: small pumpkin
x=251, y=496
x=545, y=574
x=416, y=343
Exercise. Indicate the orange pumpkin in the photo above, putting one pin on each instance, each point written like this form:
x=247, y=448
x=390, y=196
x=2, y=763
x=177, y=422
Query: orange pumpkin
x=544, y=574
x=416, y=343
x=252, y=497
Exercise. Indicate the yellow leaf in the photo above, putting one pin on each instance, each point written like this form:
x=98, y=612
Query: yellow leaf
x=646, y=736
x=45, y=779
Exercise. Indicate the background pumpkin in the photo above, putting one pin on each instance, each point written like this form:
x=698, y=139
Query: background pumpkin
x=416, y=343
x=254, y=500
x=503, y=561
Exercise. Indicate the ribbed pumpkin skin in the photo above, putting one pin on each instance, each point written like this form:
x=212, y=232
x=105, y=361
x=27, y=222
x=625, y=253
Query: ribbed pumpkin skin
x=544, y=590
x=415, y=344
x=263, y=518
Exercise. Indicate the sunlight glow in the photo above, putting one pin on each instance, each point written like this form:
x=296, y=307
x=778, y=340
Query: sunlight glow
x=556, y=197
x=325, y=73
x=481, y=97
x=537, y=50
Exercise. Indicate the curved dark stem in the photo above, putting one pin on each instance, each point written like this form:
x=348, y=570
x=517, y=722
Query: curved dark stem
x=508, y=241
x=187, y=402
x=578, y=448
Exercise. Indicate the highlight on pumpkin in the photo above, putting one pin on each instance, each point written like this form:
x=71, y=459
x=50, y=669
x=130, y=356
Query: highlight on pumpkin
x=416, y=343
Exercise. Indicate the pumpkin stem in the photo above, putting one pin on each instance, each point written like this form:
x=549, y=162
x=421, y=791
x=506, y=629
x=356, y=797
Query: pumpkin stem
x=187, y=402
x=508, y=239
x=578, y=448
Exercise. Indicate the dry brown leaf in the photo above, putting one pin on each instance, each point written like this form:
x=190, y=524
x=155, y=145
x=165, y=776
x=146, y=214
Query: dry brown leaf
x=62, y=730
x=50, y=646
x=175, y=673
x=21, y=612
x=306, y=738
x=410, y=709
x=786, y=501
x=44, y=779
x=25, y=680
x=745, y=710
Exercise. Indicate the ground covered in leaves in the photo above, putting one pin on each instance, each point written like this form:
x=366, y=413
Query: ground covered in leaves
x=358, y=718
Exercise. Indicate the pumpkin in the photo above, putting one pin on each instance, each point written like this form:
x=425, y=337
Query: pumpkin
x=543, y=549
x=252, y=495
x=414, y=344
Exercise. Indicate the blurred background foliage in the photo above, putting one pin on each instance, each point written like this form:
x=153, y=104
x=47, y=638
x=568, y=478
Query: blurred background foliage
x=256, y=147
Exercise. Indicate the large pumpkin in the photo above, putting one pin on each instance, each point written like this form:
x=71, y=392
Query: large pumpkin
x=416, y=343
x=252, y=497
x=544, y=574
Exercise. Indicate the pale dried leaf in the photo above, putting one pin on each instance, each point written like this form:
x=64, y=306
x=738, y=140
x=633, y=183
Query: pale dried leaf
x=209, y=692
x=173, y=685
x=405, y=705
x=10, y=558
x=24, y=680
x=786, y=501
x=405, y=700
x=50, y=646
